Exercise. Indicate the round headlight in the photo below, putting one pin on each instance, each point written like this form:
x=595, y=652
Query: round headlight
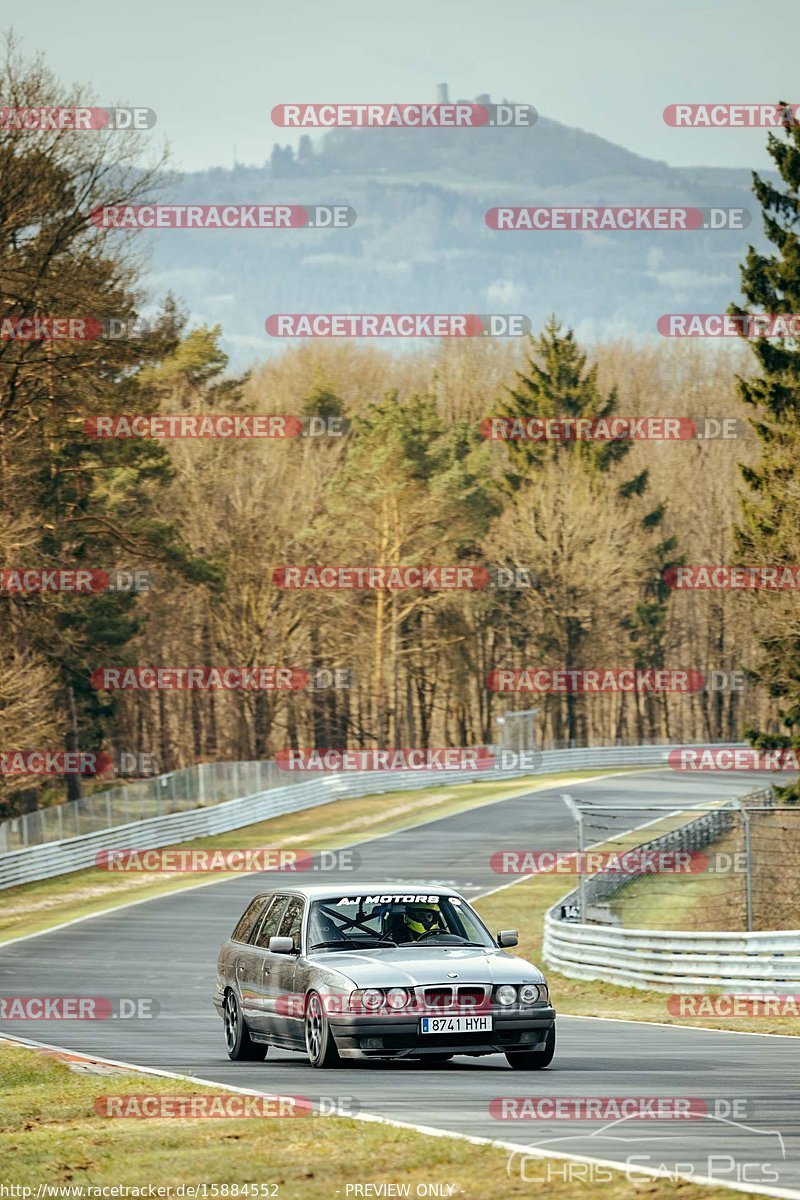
x=529, y=993
x=397, y=997
x=371, y=998
x=506, y=994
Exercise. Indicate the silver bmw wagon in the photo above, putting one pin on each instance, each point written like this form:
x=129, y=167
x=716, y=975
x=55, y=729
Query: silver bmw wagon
x=380, y=971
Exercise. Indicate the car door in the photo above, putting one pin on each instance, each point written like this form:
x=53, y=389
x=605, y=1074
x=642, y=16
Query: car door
x=286, y=1012
x=253, y=963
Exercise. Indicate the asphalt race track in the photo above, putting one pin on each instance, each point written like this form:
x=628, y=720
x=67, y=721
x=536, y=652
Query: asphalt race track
x=166, y=949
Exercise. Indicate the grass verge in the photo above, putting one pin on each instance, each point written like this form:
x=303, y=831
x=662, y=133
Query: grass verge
x=716, y=901
x=50, y=1135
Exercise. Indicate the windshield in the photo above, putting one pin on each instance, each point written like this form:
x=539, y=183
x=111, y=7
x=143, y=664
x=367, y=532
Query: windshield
x=369, y=921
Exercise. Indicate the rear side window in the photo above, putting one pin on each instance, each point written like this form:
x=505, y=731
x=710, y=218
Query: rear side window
x=246, y=922
x=270, y=922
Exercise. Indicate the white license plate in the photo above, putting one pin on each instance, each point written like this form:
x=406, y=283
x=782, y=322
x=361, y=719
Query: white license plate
x=455, y=1024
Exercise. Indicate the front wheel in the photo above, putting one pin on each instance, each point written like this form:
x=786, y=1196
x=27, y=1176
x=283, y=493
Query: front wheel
x=534, y=1060
x=238, y=1043
x=320, y=1045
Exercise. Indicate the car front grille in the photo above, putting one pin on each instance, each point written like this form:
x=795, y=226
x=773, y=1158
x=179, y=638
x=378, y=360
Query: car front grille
x=471, y=996
x=438, y=997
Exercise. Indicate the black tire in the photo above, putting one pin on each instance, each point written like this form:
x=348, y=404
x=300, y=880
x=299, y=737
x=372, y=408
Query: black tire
x=238, y=1043
x=534, y=1060
x=320, y=1043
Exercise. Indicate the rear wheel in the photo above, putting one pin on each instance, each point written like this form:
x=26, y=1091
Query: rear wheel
x=534, y=1060
x=320, y=1044
x=239, y=1044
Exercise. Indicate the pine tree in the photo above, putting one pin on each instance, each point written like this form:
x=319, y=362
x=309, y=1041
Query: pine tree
x=769, y=532
x=559, y=384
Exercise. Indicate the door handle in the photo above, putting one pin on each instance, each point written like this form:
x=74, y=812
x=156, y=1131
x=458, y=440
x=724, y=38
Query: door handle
x=265, y=970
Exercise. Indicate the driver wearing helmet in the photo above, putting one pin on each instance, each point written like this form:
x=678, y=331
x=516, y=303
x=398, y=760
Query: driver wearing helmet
x=422, y=919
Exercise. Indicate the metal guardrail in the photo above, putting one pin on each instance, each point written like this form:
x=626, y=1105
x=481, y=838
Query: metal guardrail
x=60, y=856
x=672, y=960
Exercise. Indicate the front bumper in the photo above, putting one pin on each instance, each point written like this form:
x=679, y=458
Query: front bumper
x=368, y=1036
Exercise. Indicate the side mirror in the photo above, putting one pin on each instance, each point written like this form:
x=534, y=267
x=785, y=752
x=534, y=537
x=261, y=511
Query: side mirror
x=281, y=945
x=506, y=937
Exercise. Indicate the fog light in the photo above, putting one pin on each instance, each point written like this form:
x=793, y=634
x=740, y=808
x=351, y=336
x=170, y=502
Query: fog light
x=506, y=994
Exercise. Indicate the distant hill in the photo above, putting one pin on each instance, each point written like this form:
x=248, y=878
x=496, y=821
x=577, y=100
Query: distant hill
x=420, y=243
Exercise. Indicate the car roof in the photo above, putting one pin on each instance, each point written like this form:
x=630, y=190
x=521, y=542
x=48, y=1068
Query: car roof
x=329, y=891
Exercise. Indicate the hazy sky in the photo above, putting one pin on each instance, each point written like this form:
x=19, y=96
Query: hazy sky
x=213, y=69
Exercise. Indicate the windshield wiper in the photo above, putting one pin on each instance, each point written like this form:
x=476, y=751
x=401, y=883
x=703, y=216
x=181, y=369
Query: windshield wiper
x=431, y=941
x=350, y=945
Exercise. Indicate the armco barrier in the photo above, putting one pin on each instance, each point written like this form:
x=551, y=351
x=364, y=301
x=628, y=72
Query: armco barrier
x=73, y=853
x=670, y=960
x=666, y=961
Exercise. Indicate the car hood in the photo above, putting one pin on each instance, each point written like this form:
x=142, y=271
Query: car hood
x=410, y=966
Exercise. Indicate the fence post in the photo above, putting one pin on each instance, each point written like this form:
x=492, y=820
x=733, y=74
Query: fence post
x=578, y=815
x=748, y=866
